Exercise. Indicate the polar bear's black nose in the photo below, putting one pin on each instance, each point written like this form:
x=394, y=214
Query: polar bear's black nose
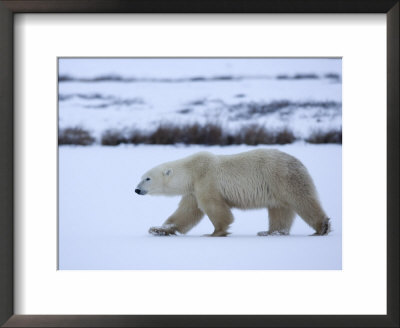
x=137, y=191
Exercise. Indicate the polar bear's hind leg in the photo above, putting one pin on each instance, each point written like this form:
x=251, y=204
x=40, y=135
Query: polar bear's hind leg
x=324, y=229
x=311, y=212
x=280, y=221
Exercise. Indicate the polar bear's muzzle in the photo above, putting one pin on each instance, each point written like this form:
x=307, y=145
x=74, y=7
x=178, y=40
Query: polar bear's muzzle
x=140, y=191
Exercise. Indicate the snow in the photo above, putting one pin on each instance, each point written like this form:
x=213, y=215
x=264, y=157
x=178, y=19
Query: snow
x=103, y=224
x=99, y=106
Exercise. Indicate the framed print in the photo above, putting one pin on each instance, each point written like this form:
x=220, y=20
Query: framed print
x=219, y=106
x=96, y=94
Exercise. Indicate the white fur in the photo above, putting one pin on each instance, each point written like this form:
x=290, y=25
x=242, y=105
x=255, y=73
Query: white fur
x=212, y=184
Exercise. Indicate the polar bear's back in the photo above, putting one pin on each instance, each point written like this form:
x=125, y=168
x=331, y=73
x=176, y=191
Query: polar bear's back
x=261, y=178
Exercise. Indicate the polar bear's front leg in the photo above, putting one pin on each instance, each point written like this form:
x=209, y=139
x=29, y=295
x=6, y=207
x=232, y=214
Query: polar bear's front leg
x=182, y=220
x=164, y=230
x=219, y=213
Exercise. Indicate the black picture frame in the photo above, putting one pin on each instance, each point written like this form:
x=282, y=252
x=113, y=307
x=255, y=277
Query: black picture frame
x=10, y=7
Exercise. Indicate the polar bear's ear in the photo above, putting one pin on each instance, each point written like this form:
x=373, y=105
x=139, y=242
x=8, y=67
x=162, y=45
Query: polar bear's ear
x=168, y=172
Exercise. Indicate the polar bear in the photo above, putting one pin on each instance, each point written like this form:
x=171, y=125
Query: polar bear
x=213, y=184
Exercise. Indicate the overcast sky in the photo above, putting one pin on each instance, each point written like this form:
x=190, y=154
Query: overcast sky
x=181, y=67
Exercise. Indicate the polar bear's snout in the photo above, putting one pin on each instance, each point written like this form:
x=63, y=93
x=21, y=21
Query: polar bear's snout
x=141, y=188
x=140, y=191
x=144, y=186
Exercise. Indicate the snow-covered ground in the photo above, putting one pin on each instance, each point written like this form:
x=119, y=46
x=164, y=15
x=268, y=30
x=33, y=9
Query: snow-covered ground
x=104, y=225
x=301, y=94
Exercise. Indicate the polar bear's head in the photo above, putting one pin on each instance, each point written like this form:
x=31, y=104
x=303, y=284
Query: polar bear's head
x=165, y=179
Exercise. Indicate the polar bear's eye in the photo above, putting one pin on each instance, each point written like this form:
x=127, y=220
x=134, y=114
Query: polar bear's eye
x=147, y=179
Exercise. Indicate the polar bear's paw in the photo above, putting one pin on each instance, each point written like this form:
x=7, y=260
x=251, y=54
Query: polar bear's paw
x=162, y=231
x=273, y=233
x=217, y=234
